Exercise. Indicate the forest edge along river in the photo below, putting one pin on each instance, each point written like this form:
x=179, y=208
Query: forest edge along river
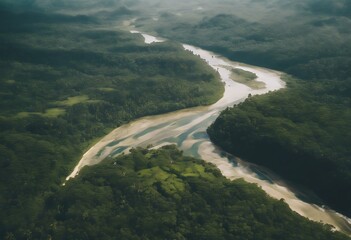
x=187, y=129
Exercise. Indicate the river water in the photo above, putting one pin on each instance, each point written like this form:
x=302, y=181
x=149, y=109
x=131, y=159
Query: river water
x=187, y=129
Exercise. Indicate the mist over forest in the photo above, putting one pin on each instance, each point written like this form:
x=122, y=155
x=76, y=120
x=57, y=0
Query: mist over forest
x=71, y=71
x=252, y=8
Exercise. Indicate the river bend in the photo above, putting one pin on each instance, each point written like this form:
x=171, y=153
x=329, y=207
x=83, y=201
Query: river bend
x=187, y=129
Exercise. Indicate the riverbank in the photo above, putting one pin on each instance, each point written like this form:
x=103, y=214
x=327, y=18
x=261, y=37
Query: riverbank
x=99, y=79
x=187, y=129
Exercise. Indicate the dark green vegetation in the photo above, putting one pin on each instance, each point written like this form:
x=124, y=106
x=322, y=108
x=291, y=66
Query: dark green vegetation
x=304, y=132
x=160, y=194
x=65, y=81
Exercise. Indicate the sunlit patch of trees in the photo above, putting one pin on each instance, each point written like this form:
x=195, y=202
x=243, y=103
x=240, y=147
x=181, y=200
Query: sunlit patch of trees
x=306, y=128
x=64, y=85
x=161, y=194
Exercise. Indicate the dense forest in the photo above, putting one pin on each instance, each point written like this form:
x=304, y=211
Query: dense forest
x=66, y=81
x=160, y=194
x=298, y=134
x=306, y=128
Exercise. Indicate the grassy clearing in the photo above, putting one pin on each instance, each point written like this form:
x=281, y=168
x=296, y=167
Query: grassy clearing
x=73, y=101
x=54, y=112
x=247, y=78
x=106, y=89
x=10, y=81
x=24, y=114
x=50, y=113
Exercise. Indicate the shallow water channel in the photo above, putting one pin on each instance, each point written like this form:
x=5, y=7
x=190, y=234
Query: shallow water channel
x=187, y=129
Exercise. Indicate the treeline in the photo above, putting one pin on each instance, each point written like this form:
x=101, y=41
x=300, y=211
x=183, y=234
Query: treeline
x=296, y=134
x=64, y=85
x=295, y=45
x=160, y=194
x=303, y=132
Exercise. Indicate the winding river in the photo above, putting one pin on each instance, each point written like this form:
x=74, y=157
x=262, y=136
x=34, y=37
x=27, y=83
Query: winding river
x=187, y=129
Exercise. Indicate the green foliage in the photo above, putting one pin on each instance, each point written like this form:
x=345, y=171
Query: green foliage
x=63, y=86
x=305, y=44
x=247, y=78
x=64, y=80
x=304, y=129
x=148, y=194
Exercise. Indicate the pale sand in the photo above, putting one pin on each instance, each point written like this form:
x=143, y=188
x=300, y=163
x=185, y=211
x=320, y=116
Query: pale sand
x=197, y=120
